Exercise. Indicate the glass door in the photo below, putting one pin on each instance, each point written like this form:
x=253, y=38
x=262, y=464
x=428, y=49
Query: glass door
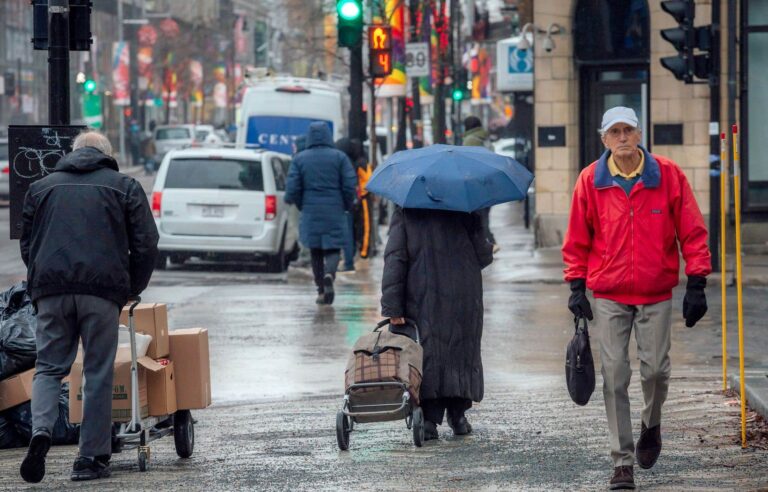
x=603, y=88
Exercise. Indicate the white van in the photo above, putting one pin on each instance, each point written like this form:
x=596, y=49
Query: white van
x=276, y=110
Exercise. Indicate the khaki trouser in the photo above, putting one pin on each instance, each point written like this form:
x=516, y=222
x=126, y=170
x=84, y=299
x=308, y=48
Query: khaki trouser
x=652, y=325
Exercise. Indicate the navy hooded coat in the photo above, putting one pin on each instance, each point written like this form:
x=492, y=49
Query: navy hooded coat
x=321, y=183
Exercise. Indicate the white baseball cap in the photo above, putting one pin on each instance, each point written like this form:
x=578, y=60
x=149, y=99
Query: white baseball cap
x=619, y=114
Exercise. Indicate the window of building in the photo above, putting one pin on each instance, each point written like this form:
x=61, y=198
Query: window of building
x=754, y=102
x=607, y=30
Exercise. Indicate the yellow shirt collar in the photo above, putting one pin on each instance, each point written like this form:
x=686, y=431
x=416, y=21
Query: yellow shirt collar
x=615, y=171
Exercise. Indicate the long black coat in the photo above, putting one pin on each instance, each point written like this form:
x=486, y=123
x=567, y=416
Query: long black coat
x=432, y=274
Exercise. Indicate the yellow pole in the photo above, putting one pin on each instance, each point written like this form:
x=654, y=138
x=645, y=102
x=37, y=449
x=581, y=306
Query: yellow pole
x=737, y=206
x=723, y=183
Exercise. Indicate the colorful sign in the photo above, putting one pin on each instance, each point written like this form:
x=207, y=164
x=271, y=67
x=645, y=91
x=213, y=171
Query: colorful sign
x=120, y=78
x=394, y=85
x=514, y=67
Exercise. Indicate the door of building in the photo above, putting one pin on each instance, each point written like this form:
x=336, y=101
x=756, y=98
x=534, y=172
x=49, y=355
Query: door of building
x=604, y=87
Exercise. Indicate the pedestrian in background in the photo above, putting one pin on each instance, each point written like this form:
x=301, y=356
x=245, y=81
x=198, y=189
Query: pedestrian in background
x=630, y=212
x=90, y=243
x=353, y=149
x=432, y=274
x=321, y=183
x=477, y=136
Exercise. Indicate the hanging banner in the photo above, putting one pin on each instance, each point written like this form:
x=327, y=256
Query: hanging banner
x=196, y=82
x=120, y=77
x=395, y=84
x=429, y=34
x=480, y=68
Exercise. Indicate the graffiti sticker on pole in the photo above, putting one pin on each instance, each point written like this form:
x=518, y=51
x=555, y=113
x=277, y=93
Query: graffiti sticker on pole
x=417, y=59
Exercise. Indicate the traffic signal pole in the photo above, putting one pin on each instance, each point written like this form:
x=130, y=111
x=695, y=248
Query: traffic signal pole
x=356, y=120
x=58, y=62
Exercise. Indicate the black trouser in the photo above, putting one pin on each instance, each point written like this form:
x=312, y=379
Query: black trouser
x=485, y=219
x=435, y=409
x=324, y=261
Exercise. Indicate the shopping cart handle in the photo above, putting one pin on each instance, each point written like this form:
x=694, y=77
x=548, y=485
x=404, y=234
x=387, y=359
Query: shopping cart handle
x=135, y=301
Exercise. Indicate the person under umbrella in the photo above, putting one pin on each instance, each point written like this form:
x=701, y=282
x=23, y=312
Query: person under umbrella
x=436, y=251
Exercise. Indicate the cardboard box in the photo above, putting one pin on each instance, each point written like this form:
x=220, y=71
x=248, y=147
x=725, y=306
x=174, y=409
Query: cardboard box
x=161, y=390
x=16, y=389
x=121, y=386
x=189, y=353
x=151, y=319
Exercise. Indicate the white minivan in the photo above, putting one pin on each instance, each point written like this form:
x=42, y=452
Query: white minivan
x=225, y=204
x=277, y=110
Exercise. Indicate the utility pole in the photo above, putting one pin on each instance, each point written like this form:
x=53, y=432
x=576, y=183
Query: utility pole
x=121, y=116
x=439, y=126
x=416, y=123
x=58, y=62
x=356, y=122
x=714, y=138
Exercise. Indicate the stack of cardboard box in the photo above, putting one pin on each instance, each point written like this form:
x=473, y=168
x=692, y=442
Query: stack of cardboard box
x=173, y=375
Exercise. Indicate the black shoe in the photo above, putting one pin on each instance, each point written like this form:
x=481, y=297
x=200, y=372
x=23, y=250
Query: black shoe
x=430, y=431
x=460, y=426
x=648, y=446
x=90, y=468
x=33, y=467
x=328, y=288
x=623, y=478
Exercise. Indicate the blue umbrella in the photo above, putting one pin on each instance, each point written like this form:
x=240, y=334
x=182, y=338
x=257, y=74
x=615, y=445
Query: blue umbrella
x=447, y=177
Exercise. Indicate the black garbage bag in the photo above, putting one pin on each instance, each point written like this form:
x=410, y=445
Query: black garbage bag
x=579, y=365
x=8, y=436
x=63, y=431
x=18, y=324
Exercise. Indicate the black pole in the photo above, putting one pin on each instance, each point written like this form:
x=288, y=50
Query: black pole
x=133, y=83
x=714, y=140
x=18, y=86
x=416, y=124
x=356, y=122
x=58, y=62
x=439, y=125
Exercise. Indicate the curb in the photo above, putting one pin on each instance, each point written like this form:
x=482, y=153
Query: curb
x=756, y=388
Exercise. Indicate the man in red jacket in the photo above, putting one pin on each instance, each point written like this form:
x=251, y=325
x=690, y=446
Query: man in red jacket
x=630, y=212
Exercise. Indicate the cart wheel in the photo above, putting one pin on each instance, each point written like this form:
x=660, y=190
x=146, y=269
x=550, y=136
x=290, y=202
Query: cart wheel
x=418, y=427
x=143, y=461
x=342, y=431
x=183, y=433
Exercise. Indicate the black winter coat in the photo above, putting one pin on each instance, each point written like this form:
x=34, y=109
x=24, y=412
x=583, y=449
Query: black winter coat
x=88, y=230
x=432, y=274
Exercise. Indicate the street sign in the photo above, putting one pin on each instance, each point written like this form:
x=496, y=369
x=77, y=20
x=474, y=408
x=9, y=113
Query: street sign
x=33, y=153
x=417, y=63
x=514, y=67
x=92, y=110
x=380, y=50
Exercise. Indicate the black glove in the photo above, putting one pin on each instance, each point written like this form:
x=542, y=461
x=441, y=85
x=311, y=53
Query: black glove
x=578, y=302
x=695, y=302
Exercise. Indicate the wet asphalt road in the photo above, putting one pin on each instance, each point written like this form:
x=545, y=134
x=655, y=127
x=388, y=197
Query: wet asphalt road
x=277, y=364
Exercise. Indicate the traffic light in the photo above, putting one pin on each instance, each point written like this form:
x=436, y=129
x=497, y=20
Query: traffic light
x=380, y=50
x=686, y=39
x=10, y=83
x=350, y=26
x=79, y=25
x=460, y=89
x=89, y=85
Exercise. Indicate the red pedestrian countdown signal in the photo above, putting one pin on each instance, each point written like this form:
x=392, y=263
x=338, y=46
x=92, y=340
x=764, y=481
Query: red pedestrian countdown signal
x=380, y=50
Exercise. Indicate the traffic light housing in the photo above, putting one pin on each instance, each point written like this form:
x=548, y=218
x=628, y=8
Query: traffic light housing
x=380, y=50
x=460, y=87
x=686, y=39
x=79, y=25
x=350, y=23
x=10, y=83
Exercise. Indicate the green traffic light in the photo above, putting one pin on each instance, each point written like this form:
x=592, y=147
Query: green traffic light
x=458, y=94
x=349, y=9
x=89, y=85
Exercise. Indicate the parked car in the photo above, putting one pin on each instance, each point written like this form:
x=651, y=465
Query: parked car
x=4, y=170
x=206, y=136
x=221, y=204
x=172, y=137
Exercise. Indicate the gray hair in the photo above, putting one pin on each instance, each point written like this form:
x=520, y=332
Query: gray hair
x=91, y=138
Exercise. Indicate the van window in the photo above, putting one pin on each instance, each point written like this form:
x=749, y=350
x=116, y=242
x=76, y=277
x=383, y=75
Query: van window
x=172, y=134
x=3, y=151
x=215, y=174
x=277, y=170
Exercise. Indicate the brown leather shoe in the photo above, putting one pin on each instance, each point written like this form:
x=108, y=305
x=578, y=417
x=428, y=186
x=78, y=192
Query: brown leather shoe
x=648, y=446
x=623, y=478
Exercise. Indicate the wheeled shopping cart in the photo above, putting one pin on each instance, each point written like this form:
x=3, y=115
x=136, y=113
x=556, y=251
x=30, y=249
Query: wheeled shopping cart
x=384, y=383
x=138, y=433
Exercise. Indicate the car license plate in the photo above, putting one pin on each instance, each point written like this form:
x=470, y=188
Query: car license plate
x=213, y=211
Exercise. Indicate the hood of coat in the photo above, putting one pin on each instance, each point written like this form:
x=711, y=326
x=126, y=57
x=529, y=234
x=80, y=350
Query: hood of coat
x=479, y=133
x=85, y=160
x=319, y=134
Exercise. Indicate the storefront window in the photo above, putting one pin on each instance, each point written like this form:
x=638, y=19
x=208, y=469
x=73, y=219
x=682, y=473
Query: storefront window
x=757, y=101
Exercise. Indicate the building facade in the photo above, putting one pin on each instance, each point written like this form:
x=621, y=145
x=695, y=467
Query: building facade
x=608, y=54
